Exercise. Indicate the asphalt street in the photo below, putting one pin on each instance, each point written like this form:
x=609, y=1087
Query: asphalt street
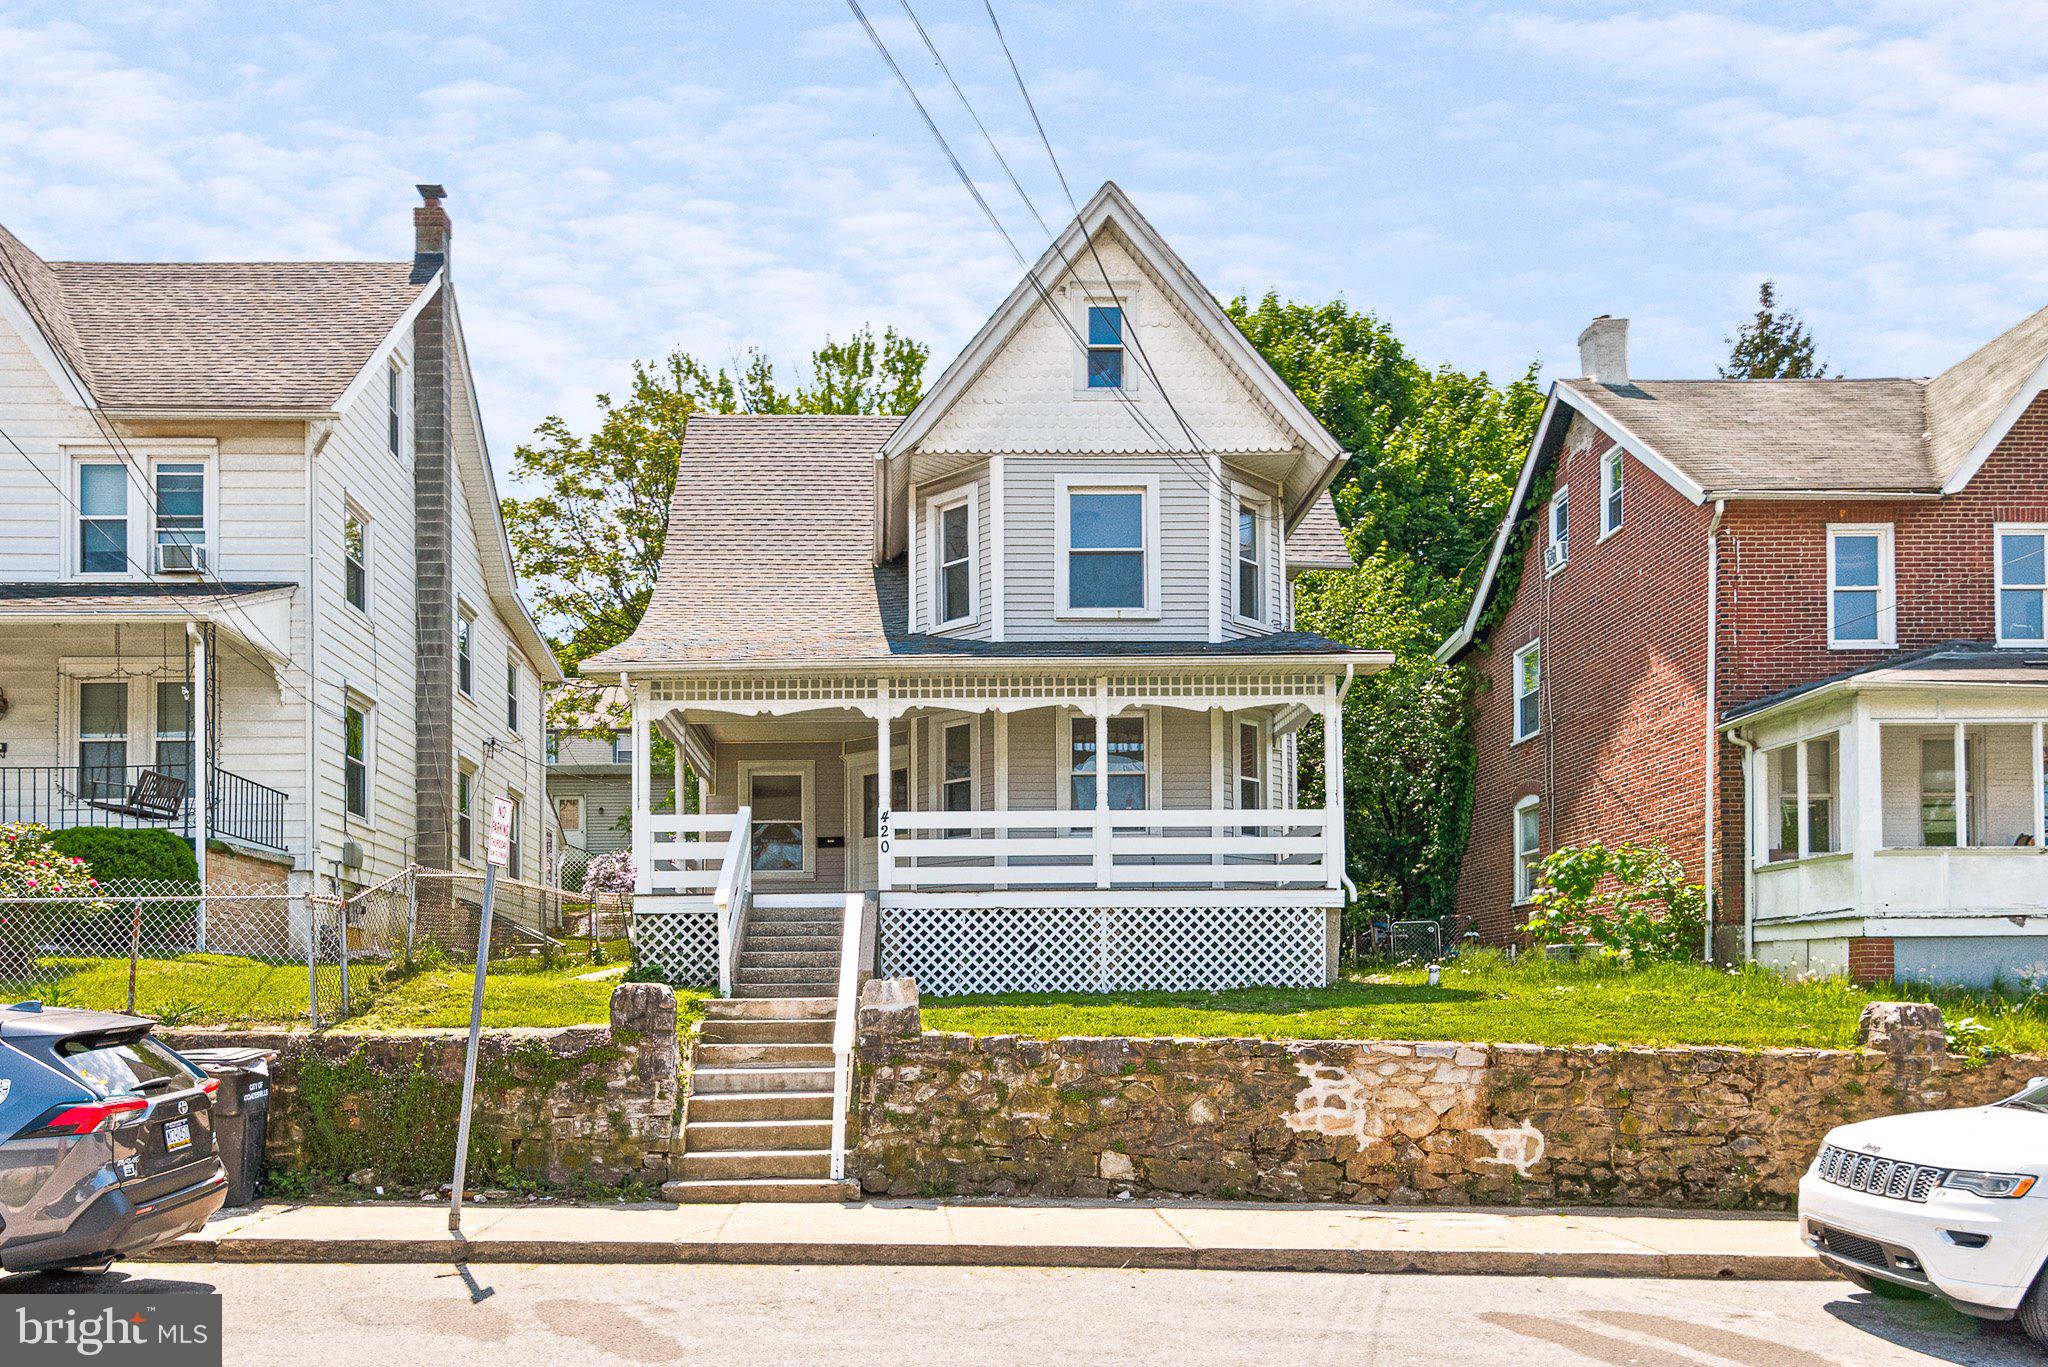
x=513, y=1315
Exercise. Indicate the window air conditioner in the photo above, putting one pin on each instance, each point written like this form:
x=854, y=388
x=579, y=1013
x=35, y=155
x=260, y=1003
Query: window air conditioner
x=177, y=557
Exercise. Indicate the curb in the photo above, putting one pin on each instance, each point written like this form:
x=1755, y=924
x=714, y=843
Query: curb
x=1439, y=1262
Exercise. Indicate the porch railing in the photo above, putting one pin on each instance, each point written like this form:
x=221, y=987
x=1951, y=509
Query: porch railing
x=1235, y=848
x=705, y=856
x=58, y=796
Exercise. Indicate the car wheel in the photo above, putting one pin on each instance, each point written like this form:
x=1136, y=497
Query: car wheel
x=2033, y=1316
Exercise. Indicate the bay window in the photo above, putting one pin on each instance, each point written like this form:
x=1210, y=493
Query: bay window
x=1108, y=549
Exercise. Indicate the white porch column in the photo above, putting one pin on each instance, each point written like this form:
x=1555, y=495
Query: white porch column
x=2040, y=798
x=643, y=835
x=1868, y=812
x=202, y=775
x=1333, y=784
x=681, y=767
x=1102, y=855
x=885, y=857
x=1000, y=792
x=1963, y=831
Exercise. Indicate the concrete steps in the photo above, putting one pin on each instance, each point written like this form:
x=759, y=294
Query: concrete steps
x=758, y=1126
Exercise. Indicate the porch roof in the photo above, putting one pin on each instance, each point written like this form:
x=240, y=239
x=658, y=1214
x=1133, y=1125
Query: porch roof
x=253, y=612
x=1952, y=663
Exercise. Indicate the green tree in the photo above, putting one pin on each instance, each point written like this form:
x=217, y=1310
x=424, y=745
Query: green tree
x=1772, y=345
x=588, y=541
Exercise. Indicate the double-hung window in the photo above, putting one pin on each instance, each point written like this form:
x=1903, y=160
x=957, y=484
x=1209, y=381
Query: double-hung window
x=1528, y=848
x=779, y=796
x=355, y=560
x=512, y=846
x=394, y=410
x=953, y=550
x=174, y=729
x=465, y=630
x=465, y=812
x=180, y=515
x=1105, y=347
x=103, y=740
x=2022, y=585
x=1128, y=764
x=1251, y=766
x=102, y=518
x=622, y=747
x=1108, y=550
x=956, y=771
x=1860, y=601
x=1610, y=493
x=1557, y=546
x=512, y=696
x=1251, y=578
x=1528, y=690
x=1801, y=786
x=355, y=759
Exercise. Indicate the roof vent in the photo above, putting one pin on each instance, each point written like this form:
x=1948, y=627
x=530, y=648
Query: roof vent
x=1603, y=350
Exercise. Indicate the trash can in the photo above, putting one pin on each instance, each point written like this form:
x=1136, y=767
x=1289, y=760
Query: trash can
x=241, y=1111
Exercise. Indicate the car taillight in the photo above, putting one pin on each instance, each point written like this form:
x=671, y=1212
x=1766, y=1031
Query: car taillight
x=211, y=1086
x=87, y=1118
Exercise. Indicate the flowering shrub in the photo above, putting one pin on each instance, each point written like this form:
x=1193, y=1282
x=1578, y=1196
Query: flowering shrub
x=1629, y=899
x=30, y=865
x=609, y=875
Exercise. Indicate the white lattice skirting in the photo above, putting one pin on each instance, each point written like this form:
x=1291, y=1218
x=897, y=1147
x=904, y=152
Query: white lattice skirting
x=682, y=944
x=955, y=950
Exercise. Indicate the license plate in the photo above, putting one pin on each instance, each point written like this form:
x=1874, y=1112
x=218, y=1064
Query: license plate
x=177, y=1135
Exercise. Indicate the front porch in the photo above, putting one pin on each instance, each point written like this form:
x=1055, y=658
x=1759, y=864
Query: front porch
x=1897, y=828
x=1056, y=829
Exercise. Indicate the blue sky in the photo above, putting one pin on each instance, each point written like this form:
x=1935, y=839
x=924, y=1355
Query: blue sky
x=746, y=173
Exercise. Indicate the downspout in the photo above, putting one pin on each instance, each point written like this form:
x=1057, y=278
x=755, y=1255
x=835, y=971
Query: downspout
x=1748, y=748
x=1713, y=735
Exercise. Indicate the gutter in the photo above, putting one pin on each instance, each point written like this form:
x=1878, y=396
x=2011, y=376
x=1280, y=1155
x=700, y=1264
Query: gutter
x=1713, y=730
x=1372, y=661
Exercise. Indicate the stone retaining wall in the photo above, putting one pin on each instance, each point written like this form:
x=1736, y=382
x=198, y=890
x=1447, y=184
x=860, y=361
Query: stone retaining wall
x=583, y=1106
x=1363, y=1121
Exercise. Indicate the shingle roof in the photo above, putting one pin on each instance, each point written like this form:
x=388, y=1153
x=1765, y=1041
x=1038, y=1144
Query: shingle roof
x=231, y=335
x=770, y=559
x=65, y=599
x=261, y=334
x=1317, y=541
x=1778, y=434
x=1964, y=400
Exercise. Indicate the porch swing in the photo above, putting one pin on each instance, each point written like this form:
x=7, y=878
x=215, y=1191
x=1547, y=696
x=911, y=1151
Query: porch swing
x=155, y=795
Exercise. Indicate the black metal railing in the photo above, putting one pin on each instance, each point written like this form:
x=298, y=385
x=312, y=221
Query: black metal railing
x=139, y=796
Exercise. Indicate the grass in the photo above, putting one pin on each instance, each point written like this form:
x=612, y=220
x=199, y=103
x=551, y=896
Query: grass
x=227, y=989
x=1487, y=998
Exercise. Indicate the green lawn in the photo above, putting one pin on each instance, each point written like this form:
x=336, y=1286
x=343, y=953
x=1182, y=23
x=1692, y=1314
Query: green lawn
x=193, y=989
x=1486, y=998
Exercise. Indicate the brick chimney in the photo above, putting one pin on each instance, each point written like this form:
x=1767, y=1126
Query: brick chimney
x=1603, y=350
x=430, y=227
x=435, y=495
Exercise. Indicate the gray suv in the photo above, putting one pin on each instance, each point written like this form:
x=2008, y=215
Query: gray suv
x=106, y=1140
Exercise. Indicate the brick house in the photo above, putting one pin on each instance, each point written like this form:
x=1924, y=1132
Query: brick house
x=1792, y=629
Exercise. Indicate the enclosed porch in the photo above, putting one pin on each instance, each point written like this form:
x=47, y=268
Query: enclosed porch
x=1053, y=829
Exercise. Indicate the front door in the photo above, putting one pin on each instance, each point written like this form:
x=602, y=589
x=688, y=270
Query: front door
x=862, y=789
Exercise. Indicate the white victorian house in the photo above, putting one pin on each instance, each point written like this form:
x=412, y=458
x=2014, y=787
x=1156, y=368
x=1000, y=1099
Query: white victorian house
x=254, y=588
x=1004, y=694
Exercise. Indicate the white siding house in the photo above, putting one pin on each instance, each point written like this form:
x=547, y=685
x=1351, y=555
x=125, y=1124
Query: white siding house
x=211, y=560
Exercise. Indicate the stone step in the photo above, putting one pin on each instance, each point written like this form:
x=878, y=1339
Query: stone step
x=758, y=959
x=771, y=1008
x=814, y=943
x=805, y=1031
x=787, y=982
x=759, y=1078
x=712, y=1190
x=715, y=1106
x=755, y=1136
x=726, y=1164
x=792, y=923
x=767, y=1055
x=806, y=901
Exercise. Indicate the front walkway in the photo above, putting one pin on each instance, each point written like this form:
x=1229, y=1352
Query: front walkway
x=1205, y=1235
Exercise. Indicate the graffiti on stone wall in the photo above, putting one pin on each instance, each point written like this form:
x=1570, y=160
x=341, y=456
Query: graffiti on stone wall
x=1520, y=1148
x=1387, y=1092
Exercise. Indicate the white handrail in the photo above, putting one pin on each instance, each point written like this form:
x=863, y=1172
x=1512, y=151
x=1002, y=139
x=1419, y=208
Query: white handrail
x=843, y=1025
x=735, y=889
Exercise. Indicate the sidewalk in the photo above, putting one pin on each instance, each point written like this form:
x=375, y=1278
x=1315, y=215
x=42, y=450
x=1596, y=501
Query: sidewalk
x=1242, y=1237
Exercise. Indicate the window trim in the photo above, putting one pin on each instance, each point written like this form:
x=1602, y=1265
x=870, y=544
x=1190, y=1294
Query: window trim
x=465, y=810
x=1887, y=586
x=1613, y=491
x=936, y=507
x=515, y=845
x=367, y=710
x=1518, y=735
x=77, y=517
x=806, y=772
x=465, y=651
x=564, y=804
x=943, y=726
x=397, y=428
x=513, y=682
x=1557, y=550
x=209, y=507
x=1803, y=789
x=1999, y=531
x=1524, y=895
x=1108, y=482
x=1114, y=294
x=352, y=512
x=626, y=736
x=1243, y=495
x=1263, y=726
x=1063, y=751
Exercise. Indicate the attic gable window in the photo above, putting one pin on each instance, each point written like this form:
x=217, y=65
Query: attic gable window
x=1610, y=493
x=1557, y=548
x=1105, y=347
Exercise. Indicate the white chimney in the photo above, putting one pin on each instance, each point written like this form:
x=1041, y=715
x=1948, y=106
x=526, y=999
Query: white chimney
x=1603, y=350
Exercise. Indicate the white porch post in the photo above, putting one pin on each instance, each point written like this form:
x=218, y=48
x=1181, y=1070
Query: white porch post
x=1963, y=831
x=1102, y=855
x=1333, y=785
x=2040, y=798
x=643, y=836
x=1869, y=810
x=201, y=770
x=680, y=767
x=885, y=857
x=1000, y=793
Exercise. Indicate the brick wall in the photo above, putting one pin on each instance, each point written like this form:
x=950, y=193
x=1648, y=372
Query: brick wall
x=1620, y=755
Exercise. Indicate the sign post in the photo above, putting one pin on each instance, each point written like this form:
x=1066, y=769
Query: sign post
x=497, y=851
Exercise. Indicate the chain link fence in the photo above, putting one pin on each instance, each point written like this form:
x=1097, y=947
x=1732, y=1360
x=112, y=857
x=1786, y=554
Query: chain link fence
x=227, y=953
x=1380, y=942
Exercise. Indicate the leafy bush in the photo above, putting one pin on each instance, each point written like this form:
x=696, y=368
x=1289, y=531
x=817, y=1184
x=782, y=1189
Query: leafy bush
x=113, y=853
x=1629, y=899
